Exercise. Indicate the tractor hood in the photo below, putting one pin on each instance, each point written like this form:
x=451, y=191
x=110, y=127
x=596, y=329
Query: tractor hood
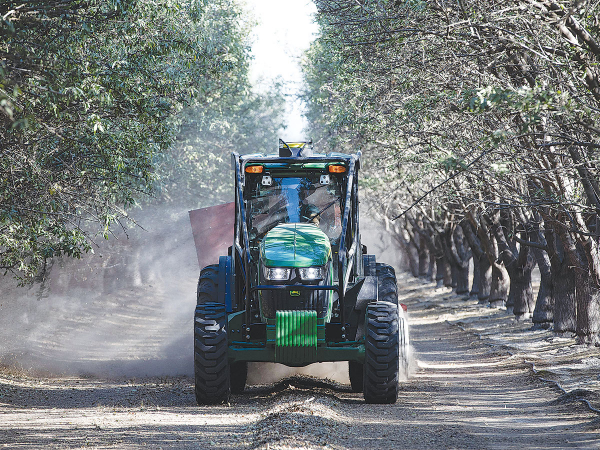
x=295, y=245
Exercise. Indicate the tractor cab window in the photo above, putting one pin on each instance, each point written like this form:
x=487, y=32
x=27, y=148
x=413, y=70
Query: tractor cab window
x=310, y=198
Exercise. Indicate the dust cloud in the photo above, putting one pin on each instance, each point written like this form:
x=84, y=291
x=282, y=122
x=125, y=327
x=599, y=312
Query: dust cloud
x=127, y=310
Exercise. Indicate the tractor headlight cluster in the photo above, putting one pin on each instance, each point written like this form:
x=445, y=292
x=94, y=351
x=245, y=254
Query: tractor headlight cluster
x=312, y=273
x=284, y=273
x=277, y=273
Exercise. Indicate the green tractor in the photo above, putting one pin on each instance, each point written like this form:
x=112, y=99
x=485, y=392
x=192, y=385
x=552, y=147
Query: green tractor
x=297, y=287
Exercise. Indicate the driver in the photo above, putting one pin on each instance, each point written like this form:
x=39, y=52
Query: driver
x=310, y=213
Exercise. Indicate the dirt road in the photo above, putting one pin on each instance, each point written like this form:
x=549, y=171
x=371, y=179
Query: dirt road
x=463, y=394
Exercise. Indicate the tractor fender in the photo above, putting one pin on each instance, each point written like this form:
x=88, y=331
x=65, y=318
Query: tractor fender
x=225, y=283
x=357, y=298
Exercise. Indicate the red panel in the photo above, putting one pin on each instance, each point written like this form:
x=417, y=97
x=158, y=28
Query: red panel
x=212, y=228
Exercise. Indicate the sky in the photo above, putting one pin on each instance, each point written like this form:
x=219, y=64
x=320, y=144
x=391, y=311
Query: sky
x=285, y=29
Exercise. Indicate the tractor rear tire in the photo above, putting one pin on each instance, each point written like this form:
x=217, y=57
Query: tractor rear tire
x=208, y=285
x=388, y=291
x=211, y=366
x=356, y=374
x=387, y=288
x=382, y=342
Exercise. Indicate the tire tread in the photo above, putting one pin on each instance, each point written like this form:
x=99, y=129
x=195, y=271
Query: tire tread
x=382, y=342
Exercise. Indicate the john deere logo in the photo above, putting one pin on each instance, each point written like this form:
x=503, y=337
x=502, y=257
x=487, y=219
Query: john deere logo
x=295, y=293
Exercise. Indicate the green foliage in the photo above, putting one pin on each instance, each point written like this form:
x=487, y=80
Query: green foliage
x=195, y=171
x=454, y=99
x=452, y=164
x=531, y=103
x=97, y=100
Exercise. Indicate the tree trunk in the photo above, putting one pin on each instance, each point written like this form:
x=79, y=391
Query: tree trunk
x=587, y=298
x=564, y=260
x=563, y=280
x=443, y=275
x=500, y=280
x=518, y=263
x=429, y=250
x=521, y=292
x=454, y=273
x=408, y=251
x=431, y=268
x=450, y=261
x=423, y=253
x=587, y=291
x=447, y=273
x=485, y=280
x=587, y=245
x=544, y=303
x=461, y=255
x=412, y=263
x=462, y=282
x=481, y=263
x=500, y=285
x=475, y=284
x=439, y=271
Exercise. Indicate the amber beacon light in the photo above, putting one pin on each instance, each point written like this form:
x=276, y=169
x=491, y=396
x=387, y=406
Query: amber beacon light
x=337, y=169
x=254, y=169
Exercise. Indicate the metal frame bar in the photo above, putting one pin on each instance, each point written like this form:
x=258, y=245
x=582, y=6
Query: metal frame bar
x=299, y=159
x=244, y=253
x=343, y=256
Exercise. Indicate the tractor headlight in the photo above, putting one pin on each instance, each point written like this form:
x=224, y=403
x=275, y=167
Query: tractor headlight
x=312, y=273
x=277, y=273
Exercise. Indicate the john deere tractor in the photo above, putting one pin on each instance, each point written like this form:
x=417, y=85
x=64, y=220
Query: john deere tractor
x=297, y=287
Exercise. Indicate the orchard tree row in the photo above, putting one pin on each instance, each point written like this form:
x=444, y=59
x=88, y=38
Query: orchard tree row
x=109, y=104
x=480, y=122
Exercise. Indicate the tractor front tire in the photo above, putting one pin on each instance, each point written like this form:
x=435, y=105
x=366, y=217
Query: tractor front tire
x=211, y=366
x=381, y=353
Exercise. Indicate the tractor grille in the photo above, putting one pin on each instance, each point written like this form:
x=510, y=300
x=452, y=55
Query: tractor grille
x=295, y=336
x=275, y=301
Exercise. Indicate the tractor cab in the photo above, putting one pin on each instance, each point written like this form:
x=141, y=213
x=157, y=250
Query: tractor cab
x=278, y=193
